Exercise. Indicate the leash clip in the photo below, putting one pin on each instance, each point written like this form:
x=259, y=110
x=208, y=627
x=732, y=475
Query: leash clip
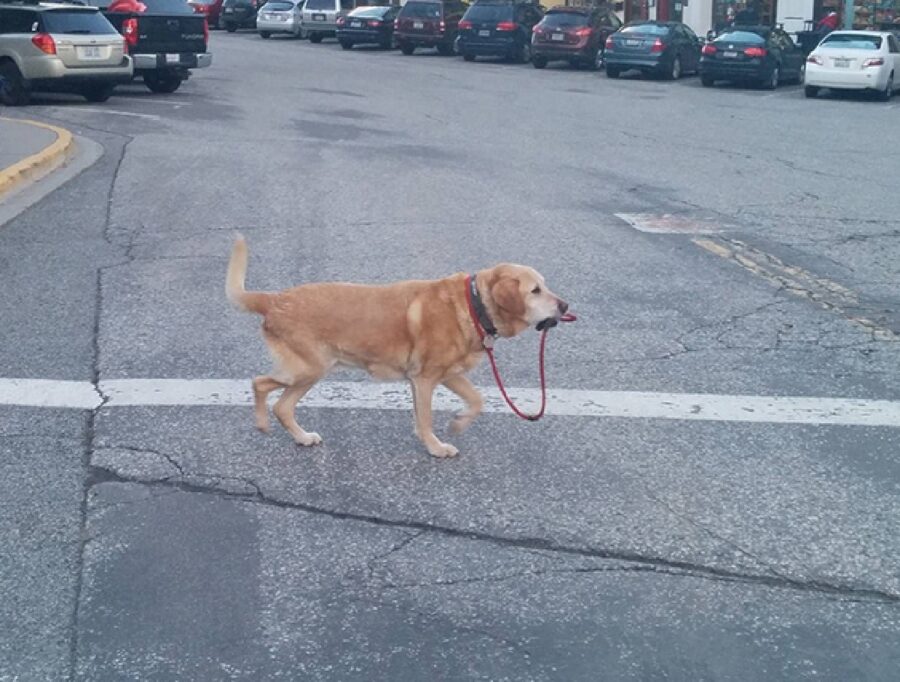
x=488, y=342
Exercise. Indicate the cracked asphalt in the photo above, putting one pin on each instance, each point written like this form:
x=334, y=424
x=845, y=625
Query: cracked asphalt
x=177, y=543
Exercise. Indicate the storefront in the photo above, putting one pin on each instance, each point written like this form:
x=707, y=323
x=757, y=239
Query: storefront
x=876, y=14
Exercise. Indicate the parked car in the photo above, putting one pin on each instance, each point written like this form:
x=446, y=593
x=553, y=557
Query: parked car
x=320, y=16
x=498, y=28
x=757, y=54
x=855, y=60
x=428, y=23
x=281, y=17
x=211, y=9
x=367, y=25
x=165, y=38
x=239, y=14
x=59, y=48
x=663, y=48
x=573, y=34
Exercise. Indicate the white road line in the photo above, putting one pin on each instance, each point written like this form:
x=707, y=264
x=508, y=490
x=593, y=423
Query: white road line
x=116, y=112
x=396, y=396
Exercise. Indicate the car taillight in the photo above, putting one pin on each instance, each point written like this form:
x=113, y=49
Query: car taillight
x=340, y=21
x=465, y=25
x=815, y=59
x=708, y=50
x=507, y=26
x=585, y=31
x=442, y=25
x=874, y=61
x=756, y=52
x=537, y=29
x=206, y=31
x=396, y=24
x=130, y=31
x=374, y=23
x=609, y=43
x=44, y=43
x=657, y=46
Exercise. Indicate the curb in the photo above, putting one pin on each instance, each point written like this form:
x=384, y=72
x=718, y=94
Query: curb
x=36, y=166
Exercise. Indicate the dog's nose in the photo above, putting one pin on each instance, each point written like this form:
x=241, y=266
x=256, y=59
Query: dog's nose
x=563, y=307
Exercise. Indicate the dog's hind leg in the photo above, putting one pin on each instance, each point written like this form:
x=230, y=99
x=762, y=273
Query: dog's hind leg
x=464, y=388
x=263, y=385
x=423, y=389
x=287, y=403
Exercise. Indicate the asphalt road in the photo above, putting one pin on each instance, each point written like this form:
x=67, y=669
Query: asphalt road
x=175, y=542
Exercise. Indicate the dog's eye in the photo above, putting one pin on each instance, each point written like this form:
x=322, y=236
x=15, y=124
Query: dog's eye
x=536, y=290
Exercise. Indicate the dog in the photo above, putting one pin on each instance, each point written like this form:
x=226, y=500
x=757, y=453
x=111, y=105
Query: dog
x=423, y=331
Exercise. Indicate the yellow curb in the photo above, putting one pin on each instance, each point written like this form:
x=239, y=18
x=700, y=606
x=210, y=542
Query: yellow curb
x=40, y=164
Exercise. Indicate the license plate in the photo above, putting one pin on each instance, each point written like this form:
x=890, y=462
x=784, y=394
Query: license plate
x=729, y=55
x=90, y=52
x=229, y=10
x=632, y=43
x=318, y=17
x=558, y=36
x=842, y=63
x=418, y=24
x=173, y=58
x=484, y=33
x=356, y=24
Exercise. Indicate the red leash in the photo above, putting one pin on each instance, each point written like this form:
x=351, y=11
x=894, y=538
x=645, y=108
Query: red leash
x=487, y=342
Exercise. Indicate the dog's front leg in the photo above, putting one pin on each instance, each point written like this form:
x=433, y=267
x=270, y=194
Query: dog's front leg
x=423, y=389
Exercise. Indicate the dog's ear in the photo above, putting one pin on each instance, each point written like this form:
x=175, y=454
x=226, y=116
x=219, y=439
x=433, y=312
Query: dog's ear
x=505, y=292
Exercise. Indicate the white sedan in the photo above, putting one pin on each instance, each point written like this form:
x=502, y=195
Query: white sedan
x=854, y=60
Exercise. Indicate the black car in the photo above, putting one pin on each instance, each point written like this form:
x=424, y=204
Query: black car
x=498, y=28
x=367, y=25
x=663, y=48
x=757, y=54
x=239, y=14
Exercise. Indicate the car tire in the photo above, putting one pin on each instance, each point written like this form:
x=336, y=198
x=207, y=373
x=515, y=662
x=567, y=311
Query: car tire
x=538, y=62
x=612, y=71
x=315, y=37
x=707, y=81
x=230, y=27
x=98, y=93
x=468, y=57
x=888, y=92
x=162, y=83
x=811, y=91
x=407, y=48
x=13, y=90
x=599, y=60
x=524, y=55
x=265, y=35
x=675, y=71
x=347, y=44
x=386, y=44
x=303, y=34
x=771, y=83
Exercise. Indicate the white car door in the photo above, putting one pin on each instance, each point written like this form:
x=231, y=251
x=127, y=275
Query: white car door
x=894, y=54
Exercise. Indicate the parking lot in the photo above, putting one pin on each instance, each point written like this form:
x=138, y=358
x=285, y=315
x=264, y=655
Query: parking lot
x=715, y=495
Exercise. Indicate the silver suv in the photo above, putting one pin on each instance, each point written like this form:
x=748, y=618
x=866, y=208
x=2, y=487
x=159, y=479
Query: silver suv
x=59, y=48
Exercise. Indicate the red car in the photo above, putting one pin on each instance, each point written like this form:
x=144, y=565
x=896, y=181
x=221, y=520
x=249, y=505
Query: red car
x=211, y=9
x=573, y=34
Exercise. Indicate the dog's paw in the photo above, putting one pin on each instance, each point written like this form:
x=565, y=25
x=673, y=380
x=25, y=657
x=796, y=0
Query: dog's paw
x=308, y=439
x=443, y=450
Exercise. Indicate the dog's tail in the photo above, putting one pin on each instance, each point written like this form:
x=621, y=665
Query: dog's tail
x=240, y=298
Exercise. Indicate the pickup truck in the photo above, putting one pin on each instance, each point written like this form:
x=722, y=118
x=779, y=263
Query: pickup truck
x=165, y=38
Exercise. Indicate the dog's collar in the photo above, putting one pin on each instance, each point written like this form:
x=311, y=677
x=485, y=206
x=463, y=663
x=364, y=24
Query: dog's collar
x=479, y=313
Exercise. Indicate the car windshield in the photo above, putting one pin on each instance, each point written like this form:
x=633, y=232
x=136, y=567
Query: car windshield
x=565, y=19
x=320, y=4
x=741, y=37
x=168, y=7
x=852, y=41
x=489, y=13
x=278, y=6
x=422, y=10
x=83, y=23
x=646, y=29
x=370, y=12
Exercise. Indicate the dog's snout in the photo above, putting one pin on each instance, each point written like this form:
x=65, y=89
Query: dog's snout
x=563, y=306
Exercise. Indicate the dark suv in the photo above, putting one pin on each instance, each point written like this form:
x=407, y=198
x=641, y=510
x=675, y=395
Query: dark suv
x=428, y=23
x=238, y=14
x=498, y=28
x=573, y=34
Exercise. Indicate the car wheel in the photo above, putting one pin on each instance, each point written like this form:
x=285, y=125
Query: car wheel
x=386, y=43
x=707, y=81
x=801, y=74
x=164, y=83
x=599, y=60
x=407, y=48
x=315, y=37
x=303, y=34
x=772, y=81
x=347, y=44
x=538, y=62
x=468, y=57
x=675, y=73
x=888, y=92
x=265, y=35
x=98, y=93
x=811, y=91
x=612, y=71
x=13, y=91
x=230, y=27
x=525, y=53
